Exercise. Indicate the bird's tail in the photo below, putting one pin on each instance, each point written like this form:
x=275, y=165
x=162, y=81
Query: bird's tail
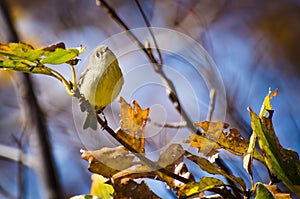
x=90, y=121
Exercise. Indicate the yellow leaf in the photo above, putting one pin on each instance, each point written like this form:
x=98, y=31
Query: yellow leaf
x=267, y=102
x=205, y=183
x=209, y=167
x=99, y=188
x=133, y=123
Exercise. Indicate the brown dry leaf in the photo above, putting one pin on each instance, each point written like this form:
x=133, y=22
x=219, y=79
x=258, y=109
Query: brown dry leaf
x=131, y=189
x=277, y=192
x=108, y=161
x=216, y=137
x=133, y=122
x=170, y=159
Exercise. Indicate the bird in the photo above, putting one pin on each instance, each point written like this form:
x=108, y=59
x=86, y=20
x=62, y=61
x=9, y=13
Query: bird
x=99, y=83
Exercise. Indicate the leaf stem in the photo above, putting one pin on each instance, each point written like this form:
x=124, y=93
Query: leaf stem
x=66, y=83
x=74, y=84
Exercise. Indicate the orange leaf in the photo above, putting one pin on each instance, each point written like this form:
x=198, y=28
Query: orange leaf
x=217, y=135
x=133, y=123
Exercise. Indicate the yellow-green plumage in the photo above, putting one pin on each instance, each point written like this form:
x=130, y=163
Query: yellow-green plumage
x=100, y=82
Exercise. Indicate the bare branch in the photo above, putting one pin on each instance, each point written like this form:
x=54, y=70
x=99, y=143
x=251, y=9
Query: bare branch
x=173, y=125
x=151, y=32
x=13, y=154
x=212, y=96
x=170, y=88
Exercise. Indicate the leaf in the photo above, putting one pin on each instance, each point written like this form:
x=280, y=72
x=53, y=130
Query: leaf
x=169, y=156
x=169, y=159
x=139, y=170
x=205, y=183
x=59, y=56
x=209, y=167
x=277, y=193
x=25, y=58
x=215, y=137
x=100, y=188
x=133, y=123
x=267, y=102
x=85, y=196
x=248, y=157
x=284, y=163
x=108, y=161
x=24, y=66
x=130, y=189
x=262, y=192
x=20, y=51
x=53, y=47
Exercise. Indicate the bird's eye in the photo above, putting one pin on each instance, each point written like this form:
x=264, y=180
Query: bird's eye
x=98, y=54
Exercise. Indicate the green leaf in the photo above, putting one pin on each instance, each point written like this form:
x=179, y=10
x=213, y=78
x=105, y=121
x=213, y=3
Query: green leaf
x=262, y=192
x=248, y=157
x=59, y=56
x=24, y=57
x=205, y=183
x=213, y=169
x=24, y=66
x=284, y=163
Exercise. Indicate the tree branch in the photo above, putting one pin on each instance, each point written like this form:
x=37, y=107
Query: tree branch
x=170, y=88
x=108, y=129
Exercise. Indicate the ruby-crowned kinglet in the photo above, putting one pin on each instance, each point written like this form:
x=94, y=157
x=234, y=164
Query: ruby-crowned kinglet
x=100, y=83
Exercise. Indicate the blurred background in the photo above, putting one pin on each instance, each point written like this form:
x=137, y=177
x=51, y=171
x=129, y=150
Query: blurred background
x=255, y=45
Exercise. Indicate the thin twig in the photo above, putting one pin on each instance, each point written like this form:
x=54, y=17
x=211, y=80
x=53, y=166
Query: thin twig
x=147, y=161
x=170, y=88
x=168, y=125
x=151, y=32
x=12, y=154
x=211, y=109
